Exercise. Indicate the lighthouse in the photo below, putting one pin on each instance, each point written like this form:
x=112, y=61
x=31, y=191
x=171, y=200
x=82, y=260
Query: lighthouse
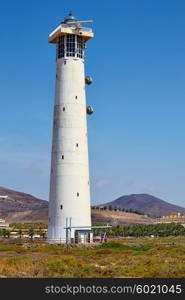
x=69, y=199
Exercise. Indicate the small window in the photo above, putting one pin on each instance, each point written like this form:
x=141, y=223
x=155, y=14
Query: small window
x=77, y=145
x=64, y=109
x=78, y=194
x=62, y=156
x=76, y=97
x=64, y=62
x=61, y=206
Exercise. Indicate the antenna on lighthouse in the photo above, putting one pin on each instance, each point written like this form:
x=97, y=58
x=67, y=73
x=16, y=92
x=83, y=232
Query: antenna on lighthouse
x=71, y=20
x=79, y=22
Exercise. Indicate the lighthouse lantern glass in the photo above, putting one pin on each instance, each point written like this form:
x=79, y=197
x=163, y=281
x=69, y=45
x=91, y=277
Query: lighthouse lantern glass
x=60, y=48
x=70, y=45
x=79, y=47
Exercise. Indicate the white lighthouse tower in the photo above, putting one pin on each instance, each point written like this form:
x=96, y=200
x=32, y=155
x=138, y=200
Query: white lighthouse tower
x=69, y=201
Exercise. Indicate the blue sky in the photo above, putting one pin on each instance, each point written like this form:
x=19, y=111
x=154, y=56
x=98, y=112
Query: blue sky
x=137, y=61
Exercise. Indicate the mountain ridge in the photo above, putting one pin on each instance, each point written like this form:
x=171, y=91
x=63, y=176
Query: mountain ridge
x=146, y=203
x=23, y=207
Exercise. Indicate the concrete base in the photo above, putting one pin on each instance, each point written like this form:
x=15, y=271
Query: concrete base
x=56, y=241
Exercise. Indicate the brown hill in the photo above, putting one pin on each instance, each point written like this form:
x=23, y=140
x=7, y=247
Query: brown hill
x=119, y=217
x=21, y=207
x=147, y=204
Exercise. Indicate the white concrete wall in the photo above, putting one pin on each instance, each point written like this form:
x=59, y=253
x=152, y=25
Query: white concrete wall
x=70, y=175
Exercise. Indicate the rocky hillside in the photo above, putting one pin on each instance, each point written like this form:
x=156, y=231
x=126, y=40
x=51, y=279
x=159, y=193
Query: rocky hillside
x=21, y=207
x=119, y=217
x=147, y=204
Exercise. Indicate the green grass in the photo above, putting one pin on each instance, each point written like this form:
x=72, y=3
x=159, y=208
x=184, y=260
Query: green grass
x=11, y=249
x=117, y=246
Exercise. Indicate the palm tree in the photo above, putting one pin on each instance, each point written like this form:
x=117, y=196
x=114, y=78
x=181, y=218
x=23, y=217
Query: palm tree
x=4, y=232
x=31, y=232
x=43, y=234
x=20, y=233
x=7, y=233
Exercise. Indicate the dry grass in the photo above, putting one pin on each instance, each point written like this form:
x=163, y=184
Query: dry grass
x=163, y=257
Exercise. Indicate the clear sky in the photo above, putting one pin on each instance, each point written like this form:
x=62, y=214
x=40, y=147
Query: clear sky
x=137, y=61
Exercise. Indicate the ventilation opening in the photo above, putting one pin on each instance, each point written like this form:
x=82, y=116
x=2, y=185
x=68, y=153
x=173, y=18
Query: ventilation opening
x=78, y=194
x=64, y=109
x=77, y=145
x=62, y=156
x=65, y=62
x=61, y=206
x=76, y=97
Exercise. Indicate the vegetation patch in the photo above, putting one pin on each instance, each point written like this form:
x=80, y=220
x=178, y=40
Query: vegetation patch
x=116, y=246
x=142, y=257
x=145, y=230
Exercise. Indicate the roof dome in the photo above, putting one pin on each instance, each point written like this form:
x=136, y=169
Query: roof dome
x=69, y=18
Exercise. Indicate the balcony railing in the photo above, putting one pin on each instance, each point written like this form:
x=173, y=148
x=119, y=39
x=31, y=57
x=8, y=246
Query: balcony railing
x=74, y=27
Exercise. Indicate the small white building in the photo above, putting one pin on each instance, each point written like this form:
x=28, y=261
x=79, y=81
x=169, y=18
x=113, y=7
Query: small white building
x=3, y=225
x=3, y=197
